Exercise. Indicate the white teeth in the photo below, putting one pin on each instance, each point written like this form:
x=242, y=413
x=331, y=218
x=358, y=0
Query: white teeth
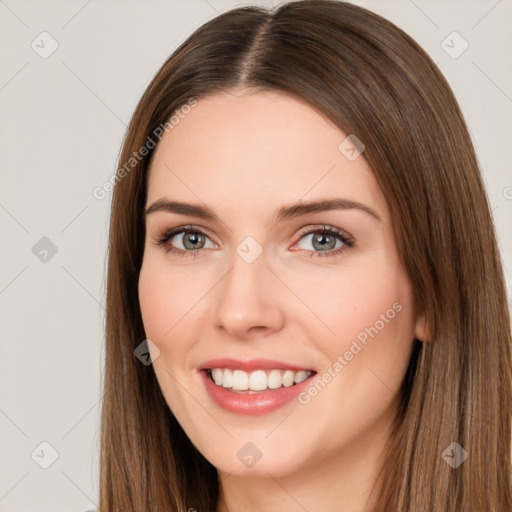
x=227, y=378
x=274, y=379
x=288, y=378
x=258, y=380
x=300, y=376
x=240, y=380
x=217, y=376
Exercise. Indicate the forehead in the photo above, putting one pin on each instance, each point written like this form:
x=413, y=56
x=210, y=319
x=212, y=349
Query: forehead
x=257, y=149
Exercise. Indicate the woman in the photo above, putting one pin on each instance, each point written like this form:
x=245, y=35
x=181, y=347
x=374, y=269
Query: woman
x=301, y=245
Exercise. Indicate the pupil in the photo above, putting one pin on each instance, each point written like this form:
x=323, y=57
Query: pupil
x=191, y=240
x=324, y=241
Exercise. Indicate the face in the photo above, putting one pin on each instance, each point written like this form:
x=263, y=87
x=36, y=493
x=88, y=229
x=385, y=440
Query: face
x=308, y=307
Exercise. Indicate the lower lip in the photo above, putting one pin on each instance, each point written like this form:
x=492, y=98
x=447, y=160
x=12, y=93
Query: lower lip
x=261, y=402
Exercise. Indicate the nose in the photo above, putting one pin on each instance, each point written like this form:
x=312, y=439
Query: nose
x=248, y=303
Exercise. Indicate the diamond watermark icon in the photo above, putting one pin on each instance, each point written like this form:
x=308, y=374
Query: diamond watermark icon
x=147, y=352
x=249, y=249
x=454, y=455
x=351, y=147
x=249, y=455
x=44, y=455
x=44, y=250
x=454, y=45
x=44, y=45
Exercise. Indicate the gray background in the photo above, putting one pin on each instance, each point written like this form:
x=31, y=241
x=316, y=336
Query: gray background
x=63, y=120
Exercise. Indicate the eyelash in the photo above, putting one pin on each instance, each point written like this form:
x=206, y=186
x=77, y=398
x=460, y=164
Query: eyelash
x=164, y=237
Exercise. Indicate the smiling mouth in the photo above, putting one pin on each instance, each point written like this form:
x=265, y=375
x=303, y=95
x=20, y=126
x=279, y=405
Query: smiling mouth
x=257, y=381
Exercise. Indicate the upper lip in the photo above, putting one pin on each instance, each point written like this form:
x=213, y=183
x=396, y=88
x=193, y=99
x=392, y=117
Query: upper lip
x=251, y=364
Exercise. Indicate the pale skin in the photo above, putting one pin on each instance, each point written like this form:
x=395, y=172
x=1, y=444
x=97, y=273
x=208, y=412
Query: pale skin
x=245, y=155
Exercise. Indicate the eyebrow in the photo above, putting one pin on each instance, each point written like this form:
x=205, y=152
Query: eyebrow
x=284, y=213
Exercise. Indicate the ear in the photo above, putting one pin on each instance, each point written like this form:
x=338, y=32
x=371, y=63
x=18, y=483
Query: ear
x=421, y=331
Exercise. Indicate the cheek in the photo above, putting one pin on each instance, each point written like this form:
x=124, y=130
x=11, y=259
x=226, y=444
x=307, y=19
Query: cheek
x=165, y=297
x=369, y=313
x=155, y=301
x=366, y=360
x=164, y=302
x=349, y=301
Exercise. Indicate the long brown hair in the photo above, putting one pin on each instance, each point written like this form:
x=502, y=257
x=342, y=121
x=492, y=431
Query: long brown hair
x=372, y=80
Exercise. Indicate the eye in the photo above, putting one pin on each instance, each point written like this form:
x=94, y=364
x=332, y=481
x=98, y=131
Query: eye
x=184, y=241
x=326, y=241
